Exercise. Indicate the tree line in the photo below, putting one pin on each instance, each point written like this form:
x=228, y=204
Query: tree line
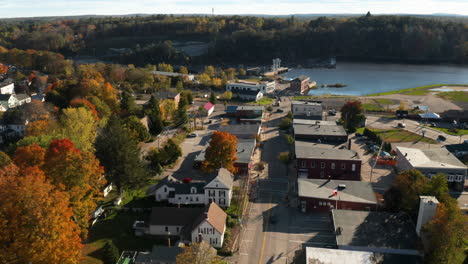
x=247, y=39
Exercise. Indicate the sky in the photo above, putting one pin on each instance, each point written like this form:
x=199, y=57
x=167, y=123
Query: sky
x=31, y=8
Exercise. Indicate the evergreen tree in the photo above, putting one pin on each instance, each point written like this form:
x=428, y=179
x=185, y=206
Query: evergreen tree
x=120, y=156
x=213, y=98
x=182, y=109
x=153, y=111
x=127, y=104
x=111, y=253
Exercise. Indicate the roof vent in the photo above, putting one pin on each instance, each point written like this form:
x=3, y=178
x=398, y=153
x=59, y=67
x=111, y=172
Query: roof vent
x=341, y=186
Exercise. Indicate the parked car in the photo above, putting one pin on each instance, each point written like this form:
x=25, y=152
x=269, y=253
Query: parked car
x=359, y=135
x=402, y=125
x=433, y=125
x=441, y=138
x=279, y=110
x=192, y=135
x=332, y=112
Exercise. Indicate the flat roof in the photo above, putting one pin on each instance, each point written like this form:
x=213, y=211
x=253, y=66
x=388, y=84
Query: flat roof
x=316, y=255
x=355, y=191
x=250, y=107
x=375, y=229
x=308, y=152
x=244, y=147
x=240, y=129
x=313, y=122
x=305, y=103
x=436, y=158
x=328, y=130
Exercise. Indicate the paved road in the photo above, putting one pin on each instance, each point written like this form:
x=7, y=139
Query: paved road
x=274, y=231
x=413, y=126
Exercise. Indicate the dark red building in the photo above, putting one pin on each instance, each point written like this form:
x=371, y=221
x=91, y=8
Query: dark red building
x=327, y=163
x=317, y=195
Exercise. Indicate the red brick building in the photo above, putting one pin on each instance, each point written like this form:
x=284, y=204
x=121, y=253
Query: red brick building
x=300, y=84
x=327, y=163
x=316, y=195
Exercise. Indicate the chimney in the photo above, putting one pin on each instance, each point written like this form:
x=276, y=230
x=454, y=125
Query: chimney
x=427, y=210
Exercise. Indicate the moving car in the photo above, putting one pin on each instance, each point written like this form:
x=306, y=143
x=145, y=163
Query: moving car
x=192, y=135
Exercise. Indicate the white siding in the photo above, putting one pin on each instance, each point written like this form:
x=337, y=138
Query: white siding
x=161, y=230
x=188, y=199
x=162, y=193
x=8, y=89
x=221, y=197
x=209, y=234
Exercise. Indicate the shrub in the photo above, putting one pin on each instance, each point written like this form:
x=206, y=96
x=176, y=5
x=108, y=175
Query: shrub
x=285, y=123
x=111, y=253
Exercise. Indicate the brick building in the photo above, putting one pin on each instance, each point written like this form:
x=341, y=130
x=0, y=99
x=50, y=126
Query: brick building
x=327, y=163
x=316, y=195
x=300, y=84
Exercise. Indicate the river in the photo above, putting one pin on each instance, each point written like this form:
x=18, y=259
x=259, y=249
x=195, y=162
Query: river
x=369, y=78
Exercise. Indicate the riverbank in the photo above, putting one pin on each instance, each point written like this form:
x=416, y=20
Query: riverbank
x=421, y=90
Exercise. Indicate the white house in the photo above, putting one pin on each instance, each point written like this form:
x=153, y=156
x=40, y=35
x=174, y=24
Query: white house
x=261, y=86
x=218, y=190
x=248, y=95
x=208, y=108
x=210, y=227
x=8, y=101
x=23, y=99
x=7, y=87
x=193, y=224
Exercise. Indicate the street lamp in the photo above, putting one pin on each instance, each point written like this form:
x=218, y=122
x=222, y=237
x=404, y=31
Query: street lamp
x=169, y=239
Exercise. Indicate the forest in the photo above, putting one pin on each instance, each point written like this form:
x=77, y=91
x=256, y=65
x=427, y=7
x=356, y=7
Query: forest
x=244, y=39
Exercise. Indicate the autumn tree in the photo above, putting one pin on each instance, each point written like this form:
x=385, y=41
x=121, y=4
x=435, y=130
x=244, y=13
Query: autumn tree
x=198, y=253
x=80, y=102
x=221, y=152
x=35, y=110
x=79, y=125
x=183, y=70
x=29, y=156
x=4, y=159
x=352, y=114
x=42, y=230
x=78, y=173
x=124, y=167
x=446, y=233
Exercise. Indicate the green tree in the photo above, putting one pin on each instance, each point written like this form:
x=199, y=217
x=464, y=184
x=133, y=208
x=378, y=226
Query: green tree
x=127, y=104
x=136, y=129
x=124, y=167
x=188, y=95
x=285, y=123
x=179, y=86
x=111, y=253
x=153, y=111
x=352, y=114
x=198, y=253
x=285, y=158
x=183, y=70
x=212, y=98
x=182, y=110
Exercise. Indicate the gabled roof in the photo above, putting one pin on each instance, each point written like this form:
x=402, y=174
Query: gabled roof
x=208, y=106
x=22, y=96
x=355, y=191
x=301, y=78
x=166, y=94
x=5, y=97
x=181, y=187
x=173, y=216
x=214, y=215
x=224, y=177
x=245, y=92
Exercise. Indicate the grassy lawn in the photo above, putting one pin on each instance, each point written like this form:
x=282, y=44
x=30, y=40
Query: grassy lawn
x=446, y=130
x=457, y=96
x=385, y=101
x=400, y=135
x=421, y=90
x=373, y=108
x=263, y=101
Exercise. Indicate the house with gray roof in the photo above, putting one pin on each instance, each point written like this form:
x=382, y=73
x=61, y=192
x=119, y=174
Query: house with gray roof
x=8, y=101
x=242, y=131
x=318, y=195
x=432, y=162
x=379, y=232
x=320, y=132
x=218, y=189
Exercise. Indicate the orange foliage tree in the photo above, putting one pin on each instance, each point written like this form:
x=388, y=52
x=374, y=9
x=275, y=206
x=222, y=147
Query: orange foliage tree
x=36, y=223
x=29, y=156
x=221, y=153
x=77, y=172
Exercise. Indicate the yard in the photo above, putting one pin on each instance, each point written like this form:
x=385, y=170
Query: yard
x=400, y=135
x=455, y=96
x=372, y=107
x=460, y=132
x=263, y=101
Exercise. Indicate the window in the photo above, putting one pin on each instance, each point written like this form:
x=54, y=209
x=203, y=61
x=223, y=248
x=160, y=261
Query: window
x=343, y=166
x=322, y=174
x=193, y=190
x=222, y=194
x=186, y=198
x=312, y=165
x=353, y=167
x=196, y=199
x=211, y=193
x=180, y=197
x=221, y=201
x=303, y=164
x=166, y=229
x=332, y=166
x=165, y=189
x=177, y=229
x=322, y=165
x=191, y=199
x=216, y=240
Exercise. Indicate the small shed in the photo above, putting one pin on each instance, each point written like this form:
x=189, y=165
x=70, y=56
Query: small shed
x=208, y=108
